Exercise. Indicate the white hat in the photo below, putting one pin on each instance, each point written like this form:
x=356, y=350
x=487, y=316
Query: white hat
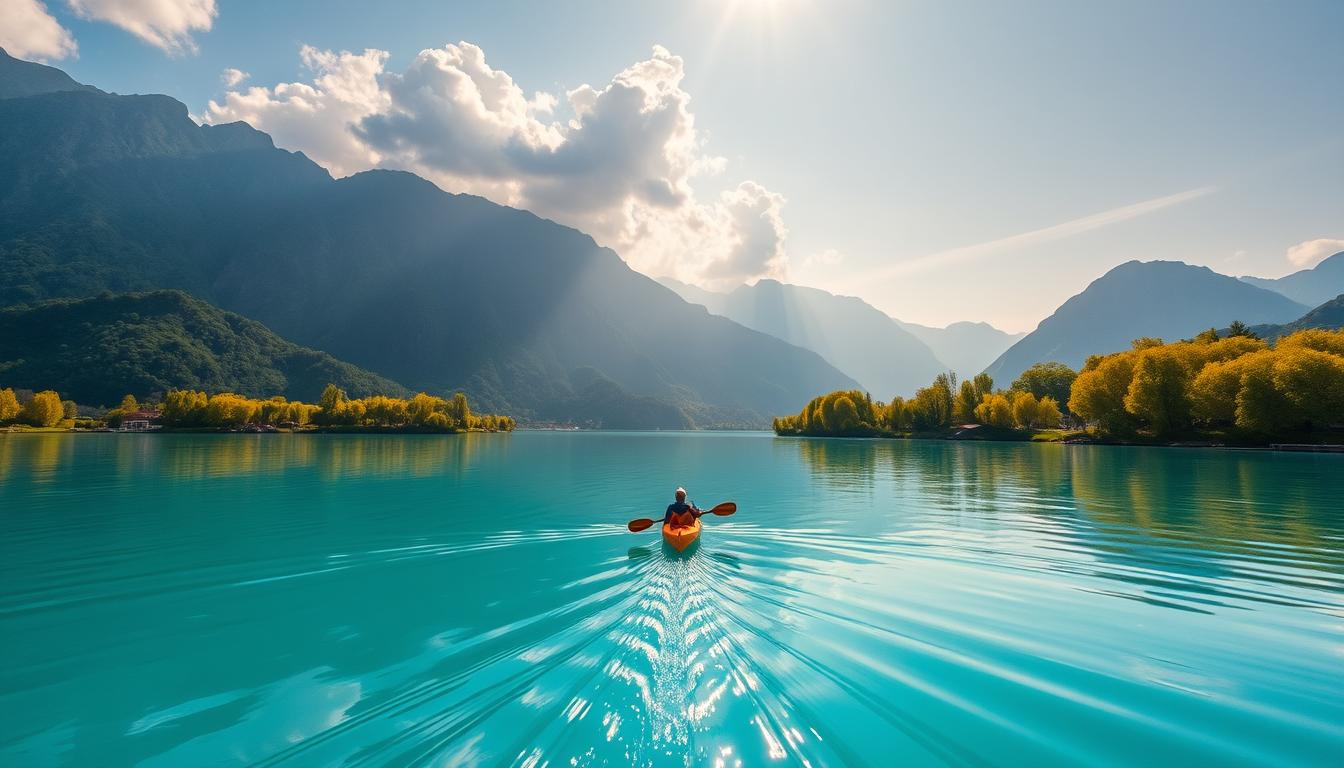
x=681, y=491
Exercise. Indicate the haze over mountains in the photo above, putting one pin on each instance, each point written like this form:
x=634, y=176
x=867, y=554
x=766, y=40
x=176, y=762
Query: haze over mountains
x=965, y=347
x=1312, y=286
x=1165, y=299
x=888, y=357
x=383, y=269
x=850, y=334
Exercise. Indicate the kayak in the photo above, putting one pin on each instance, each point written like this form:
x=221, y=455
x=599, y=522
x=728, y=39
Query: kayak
x=681, y=536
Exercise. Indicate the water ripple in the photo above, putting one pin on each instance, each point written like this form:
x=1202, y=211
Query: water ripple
x=476, y=600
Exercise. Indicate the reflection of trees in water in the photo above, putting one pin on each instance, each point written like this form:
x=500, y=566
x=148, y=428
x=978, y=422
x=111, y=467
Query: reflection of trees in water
x=1125, y=505
x=333, y=456
x=1220, y=501
x=845, y=463
x=948, y=474
x=415, y=455
x=41, y=454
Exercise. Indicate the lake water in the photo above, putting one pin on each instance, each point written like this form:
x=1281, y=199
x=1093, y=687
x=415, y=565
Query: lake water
x=196, y=600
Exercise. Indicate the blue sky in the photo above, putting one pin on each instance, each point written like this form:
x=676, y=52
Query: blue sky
x=942, y=160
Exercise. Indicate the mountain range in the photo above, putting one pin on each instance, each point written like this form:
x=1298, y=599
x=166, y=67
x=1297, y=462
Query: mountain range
x=888, y=357
x=850, y=334
x=402, y=285
x=1164, y=299
x=1313, y=286
x=382, y=269
x=966, y=348
x=1329, y=315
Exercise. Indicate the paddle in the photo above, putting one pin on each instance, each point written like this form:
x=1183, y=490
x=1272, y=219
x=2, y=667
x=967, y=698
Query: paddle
x=722, y=510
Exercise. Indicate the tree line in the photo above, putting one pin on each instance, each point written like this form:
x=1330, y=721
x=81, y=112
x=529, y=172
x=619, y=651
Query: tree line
x=1031, y=403
x=40, y=409
x=191, y=409
x=421, y=413
x=1235, y=383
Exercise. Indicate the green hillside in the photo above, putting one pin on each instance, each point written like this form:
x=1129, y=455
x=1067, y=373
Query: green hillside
x=96, y=350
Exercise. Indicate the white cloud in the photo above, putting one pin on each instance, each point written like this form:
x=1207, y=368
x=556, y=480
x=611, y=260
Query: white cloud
x=232, y=77
x=619, y=164
x=29, y=31
x=166, y=24
x=316, y=118
x=1312, y=252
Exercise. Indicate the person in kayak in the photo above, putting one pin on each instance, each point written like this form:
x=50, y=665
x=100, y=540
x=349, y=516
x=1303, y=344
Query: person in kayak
x=681, y=513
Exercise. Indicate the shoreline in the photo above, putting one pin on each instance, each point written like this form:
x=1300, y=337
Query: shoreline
x=1035, y=438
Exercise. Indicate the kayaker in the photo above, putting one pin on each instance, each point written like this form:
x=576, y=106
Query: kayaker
x=679, y=512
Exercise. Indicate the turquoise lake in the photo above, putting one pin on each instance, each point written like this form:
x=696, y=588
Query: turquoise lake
x=201, y=600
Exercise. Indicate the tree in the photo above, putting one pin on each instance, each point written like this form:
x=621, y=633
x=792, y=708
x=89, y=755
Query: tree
x=44, y=410
x=1207, y=337
x=1213, y=393
x=896, y=415
x=845, y=416
x=995, y=411
x=129, y=404
x=968, y=397
x=932, y=406
x=1047, y=380
x=68, y=409
x=1261, y=407
x=1098, y=394
x=9, y=405
x=459, y=412
x=1238, y=328
x=1315, y=338
x=1048, y=415
x=984, y=385
x=1158, y=392
x=1313, y=382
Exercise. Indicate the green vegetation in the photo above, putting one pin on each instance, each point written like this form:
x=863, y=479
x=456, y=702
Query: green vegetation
x=41, y=410
x=1236, y=387
x=191, y=409
x=334, y=410
x=149, y=343
x=933, y=411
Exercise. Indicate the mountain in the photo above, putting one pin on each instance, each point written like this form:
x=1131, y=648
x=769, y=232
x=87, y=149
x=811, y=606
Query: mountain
x=849, y=333
x=967, y=348
x=96, y=350
x=1329, y=315
x=28, y=78
x=383, y=269
x=1166, y=299
x=1311, y=287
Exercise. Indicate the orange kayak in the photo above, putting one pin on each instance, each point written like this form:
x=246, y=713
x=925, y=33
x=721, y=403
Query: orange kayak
x=681, y=536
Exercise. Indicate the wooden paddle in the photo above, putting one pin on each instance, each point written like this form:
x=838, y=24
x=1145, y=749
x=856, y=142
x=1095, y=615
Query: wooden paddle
x=722, y=510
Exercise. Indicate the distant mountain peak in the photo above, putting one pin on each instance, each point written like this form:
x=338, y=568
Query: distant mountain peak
x=1313, y=286
x=19, y=78
x=1166, y=299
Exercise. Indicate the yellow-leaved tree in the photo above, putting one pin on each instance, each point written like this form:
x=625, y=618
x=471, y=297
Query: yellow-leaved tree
x=9, y=405
x=44, y=410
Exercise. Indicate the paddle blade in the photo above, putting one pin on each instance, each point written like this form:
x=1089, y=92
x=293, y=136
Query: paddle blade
x=725, y=509
x=636, y=526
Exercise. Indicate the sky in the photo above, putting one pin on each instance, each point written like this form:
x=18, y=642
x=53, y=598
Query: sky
x=944, y=160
